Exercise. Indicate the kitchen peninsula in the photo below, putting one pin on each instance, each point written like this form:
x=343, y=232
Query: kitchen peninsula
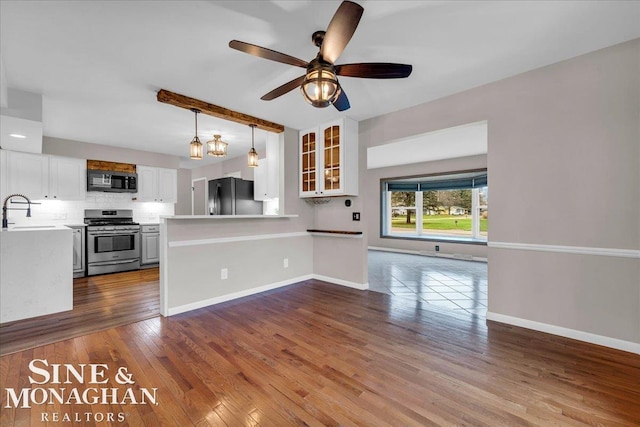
x=206, y=260
x=36, y=273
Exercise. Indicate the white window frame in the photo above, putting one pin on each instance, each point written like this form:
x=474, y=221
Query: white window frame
x=420, y=233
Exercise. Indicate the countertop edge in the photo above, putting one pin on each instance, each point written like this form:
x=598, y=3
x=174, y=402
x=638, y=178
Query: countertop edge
x=36, y=228
x=218, y=217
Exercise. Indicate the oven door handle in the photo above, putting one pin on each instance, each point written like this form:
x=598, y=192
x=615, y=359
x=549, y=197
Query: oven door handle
x=124, y=261
x=112, y=233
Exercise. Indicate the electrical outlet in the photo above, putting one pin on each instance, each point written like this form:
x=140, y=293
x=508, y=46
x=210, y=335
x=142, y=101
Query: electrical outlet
x=224, y=274
x=356, y=216
x=285, y=263
x=437, y=248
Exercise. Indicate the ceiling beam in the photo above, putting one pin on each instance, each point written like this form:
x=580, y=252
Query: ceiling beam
x=216, y=111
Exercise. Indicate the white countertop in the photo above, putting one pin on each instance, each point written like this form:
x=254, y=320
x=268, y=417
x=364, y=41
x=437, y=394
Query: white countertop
x=227, y=216
x=36, y=228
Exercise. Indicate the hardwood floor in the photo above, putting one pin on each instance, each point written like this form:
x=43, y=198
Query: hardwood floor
x=99, y=302
x=320, y=354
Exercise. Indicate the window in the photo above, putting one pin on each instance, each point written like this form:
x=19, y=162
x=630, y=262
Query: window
x=447, y=207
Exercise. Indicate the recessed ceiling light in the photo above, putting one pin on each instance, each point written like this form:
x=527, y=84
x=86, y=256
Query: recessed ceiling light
x=17, y=135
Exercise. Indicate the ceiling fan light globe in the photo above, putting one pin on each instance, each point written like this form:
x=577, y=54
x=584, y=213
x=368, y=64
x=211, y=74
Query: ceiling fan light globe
x=320, y=87
x=195, y=149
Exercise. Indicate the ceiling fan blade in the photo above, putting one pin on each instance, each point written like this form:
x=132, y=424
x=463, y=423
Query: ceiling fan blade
x=340, y=30
x=281, y=90
x=374, y=70
x=342, y=103
x=263, y=52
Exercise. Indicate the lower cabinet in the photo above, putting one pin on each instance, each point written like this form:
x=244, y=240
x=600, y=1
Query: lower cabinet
x=78, y=251
x=150, y=243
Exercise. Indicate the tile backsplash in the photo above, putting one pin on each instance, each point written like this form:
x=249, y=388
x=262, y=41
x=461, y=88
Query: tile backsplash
x=57, y=212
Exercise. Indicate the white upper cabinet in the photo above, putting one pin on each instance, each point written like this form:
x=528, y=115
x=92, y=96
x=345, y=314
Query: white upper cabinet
x=157, y=184
x=329, y=159
x=147, y=184
x=266, y=177
x=167, y=185
x=27, y=174
x=41, y=177
x=67, y=178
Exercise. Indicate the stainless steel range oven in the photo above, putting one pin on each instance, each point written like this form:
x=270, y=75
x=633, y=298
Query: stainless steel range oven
x=113, y=241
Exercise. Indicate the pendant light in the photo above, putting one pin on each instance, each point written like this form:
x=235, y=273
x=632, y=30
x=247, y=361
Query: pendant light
x=217, y=147
x=195, y=148
x=252, y=158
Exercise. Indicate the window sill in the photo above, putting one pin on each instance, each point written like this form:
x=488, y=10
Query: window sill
x=441, y=239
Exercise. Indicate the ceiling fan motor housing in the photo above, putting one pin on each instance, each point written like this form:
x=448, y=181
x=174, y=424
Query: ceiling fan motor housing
x=317, y=38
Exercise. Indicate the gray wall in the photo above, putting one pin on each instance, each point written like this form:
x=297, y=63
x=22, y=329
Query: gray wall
x=564, y=161
x=191, y=274
x=84, y=150
x=217, y=170
x=183, y=206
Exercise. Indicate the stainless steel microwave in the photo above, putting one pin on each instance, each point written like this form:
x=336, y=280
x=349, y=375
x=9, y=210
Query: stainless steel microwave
x=114, y=182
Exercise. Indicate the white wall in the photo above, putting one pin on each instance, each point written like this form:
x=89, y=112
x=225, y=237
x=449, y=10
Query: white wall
x=564, y=173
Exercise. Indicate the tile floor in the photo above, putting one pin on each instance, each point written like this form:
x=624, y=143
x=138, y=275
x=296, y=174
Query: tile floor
x=446, y=283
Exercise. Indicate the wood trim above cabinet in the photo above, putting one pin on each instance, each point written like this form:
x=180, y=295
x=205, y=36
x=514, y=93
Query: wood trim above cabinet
x=101, y=165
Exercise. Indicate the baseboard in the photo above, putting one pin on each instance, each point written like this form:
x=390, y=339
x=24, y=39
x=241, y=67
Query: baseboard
x=618, y=344
x=360, y=286
x=228, y=297
x=429, y=253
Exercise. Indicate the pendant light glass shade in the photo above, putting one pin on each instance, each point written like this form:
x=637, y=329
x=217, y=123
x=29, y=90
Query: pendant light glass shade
x=195, y=148
x=252, y=158
x=252, y=161
x=217, y=147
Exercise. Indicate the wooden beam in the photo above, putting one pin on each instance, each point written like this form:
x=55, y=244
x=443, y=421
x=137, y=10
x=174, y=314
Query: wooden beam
x=216, y=111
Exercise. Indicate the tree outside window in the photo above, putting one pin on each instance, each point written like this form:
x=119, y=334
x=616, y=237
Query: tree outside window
x=403, y=211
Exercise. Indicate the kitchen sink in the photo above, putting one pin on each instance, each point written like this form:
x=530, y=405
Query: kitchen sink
x=27, y=227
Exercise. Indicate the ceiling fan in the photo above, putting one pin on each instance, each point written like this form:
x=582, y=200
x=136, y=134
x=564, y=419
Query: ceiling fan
x=320, y=86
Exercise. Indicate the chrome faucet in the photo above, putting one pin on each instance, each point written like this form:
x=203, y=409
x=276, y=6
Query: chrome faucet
x=5, y=222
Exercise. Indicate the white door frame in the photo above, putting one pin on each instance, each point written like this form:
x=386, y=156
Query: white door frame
x=206, y=193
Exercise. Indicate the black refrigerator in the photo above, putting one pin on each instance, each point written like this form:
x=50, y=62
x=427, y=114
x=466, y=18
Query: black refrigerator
x=232, y=196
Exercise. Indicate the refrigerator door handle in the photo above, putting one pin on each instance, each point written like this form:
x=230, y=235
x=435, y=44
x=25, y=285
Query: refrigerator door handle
x=219, y=199
x=216, y=201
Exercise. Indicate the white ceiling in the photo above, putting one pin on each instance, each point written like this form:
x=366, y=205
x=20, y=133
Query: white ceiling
x=99, y=64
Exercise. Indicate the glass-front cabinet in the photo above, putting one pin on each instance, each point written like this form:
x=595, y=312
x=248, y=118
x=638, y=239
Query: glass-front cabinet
x=329, y=159
x=308, y=163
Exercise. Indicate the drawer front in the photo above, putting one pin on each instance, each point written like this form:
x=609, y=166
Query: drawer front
x=150, y=228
